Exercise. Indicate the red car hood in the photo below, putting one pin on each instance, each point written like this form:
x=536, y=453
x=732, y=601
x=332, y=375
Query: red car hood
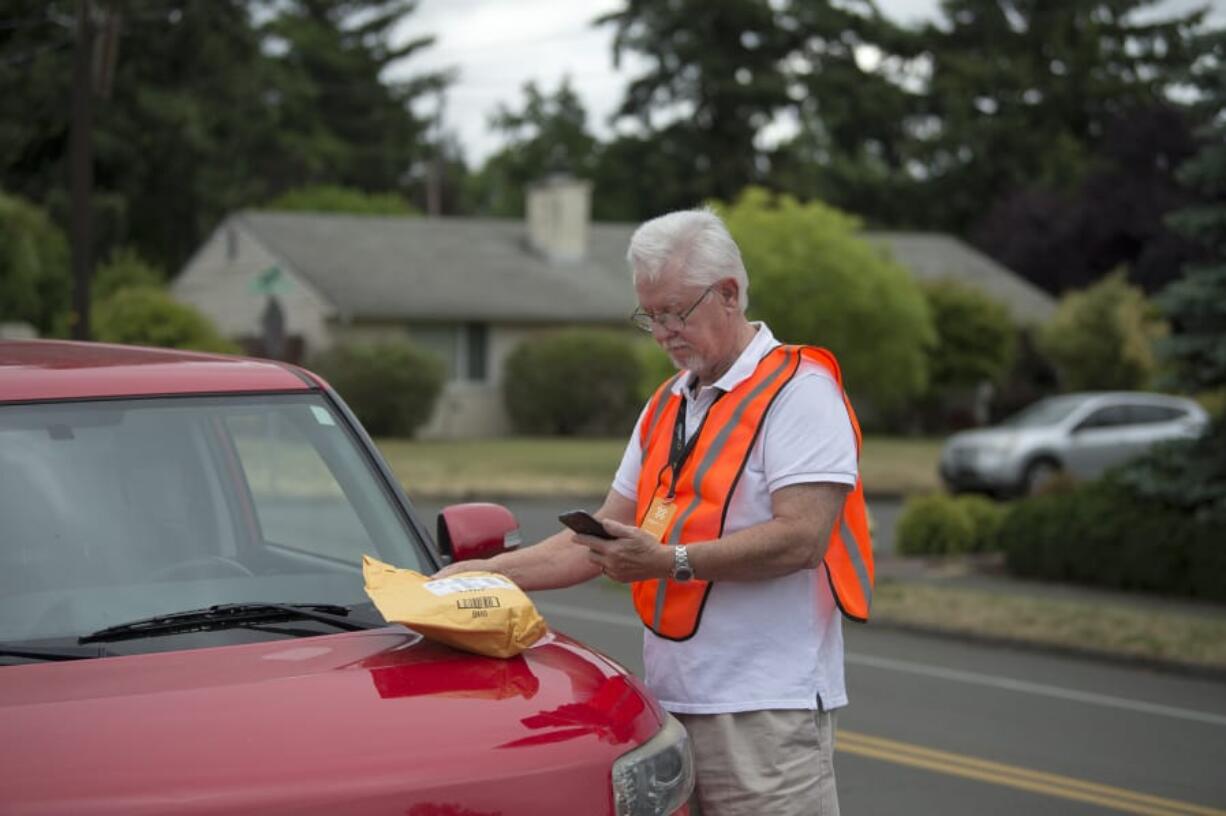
x=361, y=722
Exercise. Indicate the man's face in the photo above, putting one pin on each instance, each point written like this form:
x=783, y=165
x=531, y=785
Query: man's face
x=707, y=335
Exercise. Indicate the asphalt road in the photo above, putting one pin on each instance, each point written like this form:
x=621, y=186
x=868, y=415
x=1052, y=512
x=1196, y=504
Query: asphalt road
x=939, y=726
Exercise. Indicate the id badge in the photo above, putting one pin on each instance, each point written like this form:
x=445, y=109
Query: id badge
x=659, y=516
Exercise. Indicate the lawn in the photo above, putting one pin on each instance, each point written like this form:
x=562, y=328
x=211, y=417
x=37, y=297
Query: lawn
x=526, y=466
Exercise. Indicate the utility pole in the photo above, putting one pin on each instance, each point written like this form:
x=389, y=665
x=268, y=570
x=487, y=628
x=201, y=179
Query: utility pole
x=81, y=166
x=434, y=170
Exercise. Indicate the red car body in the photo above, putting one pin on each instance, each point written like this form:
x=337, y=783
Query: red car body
x=372, y=721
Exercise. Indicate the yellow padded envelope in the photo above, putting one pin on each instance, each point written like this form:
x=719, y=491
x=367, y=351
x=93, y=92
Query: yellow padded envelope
x=481, y=612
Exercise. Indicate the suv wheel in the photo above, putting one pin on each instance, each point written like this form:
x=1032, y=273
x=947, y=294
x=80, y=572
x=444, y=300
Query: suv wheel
x=1038, y=475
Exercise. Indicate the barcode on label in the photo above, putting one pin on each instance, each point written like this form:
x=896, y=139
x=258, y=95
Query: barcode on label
x=479, y=602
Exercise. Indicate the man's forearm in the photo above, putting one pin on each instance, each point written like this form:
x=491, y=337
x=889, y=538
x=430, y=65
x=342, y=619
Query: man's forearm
x=553, y=563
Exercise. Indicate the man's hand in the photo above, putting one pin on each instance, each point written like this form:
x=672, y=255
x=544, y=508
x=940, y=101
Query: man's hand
x=473, y=565
x=632, y=556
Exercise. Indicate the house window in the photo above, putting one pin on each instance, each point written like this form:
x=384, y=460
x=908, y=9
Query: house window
x=463, y=349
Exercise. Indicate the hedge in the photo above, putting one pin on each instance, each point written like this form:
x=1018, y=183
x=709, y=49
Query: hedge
x=1102, y=534
x=391, y=386
x=938, y=524
x=574, y=382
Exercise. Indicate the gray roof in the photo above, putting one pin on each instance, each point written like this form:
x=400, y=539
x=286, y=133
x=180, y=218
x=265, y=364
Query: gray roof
x=373, y=267
x=936, y=256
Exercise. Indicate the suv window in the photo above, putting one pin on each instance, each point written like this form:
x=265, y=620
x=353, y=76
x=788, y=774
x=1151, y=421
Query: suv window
x=1147, y=414
x=1110, y=416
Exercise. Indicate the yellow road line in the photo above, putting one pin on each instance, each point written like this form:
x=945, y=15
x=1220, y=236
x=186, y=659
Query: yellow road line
x=1017, y=777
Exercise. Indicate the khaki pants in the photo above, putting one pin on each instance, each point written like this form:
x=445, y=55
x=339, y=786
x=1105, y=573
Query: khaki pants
x=764, y=763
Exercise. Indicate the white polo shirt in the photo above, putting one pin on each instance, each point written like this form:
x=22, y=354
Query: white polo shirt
x=775, y=643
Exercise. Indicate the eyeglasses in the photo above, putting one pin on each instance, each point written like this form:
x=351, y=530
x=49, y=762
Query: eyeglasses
x=667, y=320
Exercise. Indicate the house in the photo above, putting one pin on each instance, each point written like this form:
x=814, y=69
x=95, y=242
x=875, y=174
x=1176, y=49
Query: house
x=469, y=289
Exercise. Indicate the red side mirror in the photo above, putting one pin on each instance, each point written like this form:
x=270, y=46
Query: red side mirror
x=477, y=530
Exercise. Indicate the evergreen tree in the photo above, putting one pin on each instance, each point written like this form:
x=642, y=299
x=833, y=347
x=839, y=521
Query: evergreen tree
x=341, y=118
x=713, y=84
x=548, y=134
x=207, y=106
x=1193, y=476
x=1022, y=93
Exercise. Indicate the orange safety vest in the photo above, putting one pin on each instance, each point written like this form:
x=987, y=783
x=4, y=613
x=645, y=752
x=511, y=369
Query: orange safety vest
x=708, y=477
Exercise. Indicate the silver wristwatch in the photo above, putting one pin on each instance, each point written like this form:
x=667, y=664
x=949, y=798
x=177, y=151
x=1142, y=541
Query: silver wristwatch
x=682, y=571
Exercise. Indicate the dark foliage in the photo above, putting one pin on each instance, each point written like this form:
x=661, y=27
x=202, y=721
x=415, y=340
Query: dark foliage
x=1102, y=534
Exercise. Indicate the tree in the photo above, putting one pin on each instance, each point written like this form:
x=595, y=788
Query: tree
x=847, y=81
x=1196, y=303
x=1022, y=92
x=1192, y=477
x=713, y=83
x=1114, y=217
x=332, y=198
x=548, y=134
x=35, y=283
x=1102, y=337
x=975, y=337
x=209, y=110
x=815, y=281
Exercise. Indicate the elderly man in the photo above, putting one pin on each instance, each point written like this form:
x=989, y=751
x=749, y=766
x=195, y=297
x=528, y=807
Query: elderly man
x=739, y=523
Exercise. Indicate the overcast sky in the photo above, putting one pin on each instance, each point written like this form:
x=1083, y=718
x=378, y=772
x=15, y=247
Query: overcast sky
x=498, y=45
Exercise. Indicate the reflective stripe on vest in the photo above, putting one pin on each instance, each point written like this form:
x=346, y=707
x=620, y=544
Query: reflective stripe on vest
x=708, y=480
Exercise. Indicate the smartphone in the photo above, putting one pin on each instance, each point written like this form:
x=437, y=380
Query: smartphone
x=581, y=521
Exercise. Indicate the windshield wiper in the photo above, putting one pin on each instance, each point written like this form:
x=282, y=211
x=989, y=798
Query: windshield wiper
x=52, y=652
x=225, y=616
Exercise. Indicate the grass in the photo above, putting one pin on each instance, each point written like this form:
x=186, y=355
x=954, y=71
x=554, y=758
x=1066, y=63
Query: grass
x=1138, y=632
x=525, y=466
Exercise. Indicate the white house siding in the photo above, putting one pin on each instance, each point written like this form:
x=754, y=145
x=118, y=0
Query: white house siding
x=217, y=281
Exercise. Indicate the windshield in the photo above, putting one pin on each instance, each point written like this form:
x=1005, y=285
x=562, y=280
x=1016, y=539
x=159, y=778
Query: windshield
x=1044, y=412
x=116, y=510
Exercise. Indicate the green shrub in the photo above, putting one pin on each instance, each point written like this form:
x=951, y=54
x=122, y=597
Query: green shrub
x=1102, y=337
x=1102, y=534
x=934, y=525
x=986, y=517
x=35, y=271
x=975, y=337
x=939, y=524
x=573, y=382
x=150, y=317
x=391, y=386
x=124, y=269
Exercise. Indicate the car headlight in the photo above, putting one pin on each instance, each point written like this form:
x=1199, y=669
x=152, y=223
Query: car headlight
x=657, y=777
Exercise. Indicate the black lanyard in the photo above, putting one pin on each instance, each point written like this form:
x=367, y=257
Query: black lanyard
x=681, y=450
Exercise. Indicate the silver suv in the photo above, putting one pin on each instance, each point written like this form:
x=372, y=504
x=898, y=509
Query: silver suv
x=1081, y=434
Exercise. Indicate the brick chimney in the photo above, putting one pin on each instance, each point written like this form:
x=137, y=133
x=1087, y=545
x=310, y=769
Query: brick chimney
x=559, y=208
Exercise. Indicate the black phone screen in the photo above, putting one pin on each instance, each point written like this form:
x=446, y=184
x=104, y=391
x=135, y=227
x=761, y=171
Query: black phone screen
x=584, y=522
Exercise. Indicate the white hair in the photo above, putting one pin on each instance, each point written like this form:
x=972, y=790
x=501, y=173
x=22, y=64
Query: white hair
x=694, y=242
